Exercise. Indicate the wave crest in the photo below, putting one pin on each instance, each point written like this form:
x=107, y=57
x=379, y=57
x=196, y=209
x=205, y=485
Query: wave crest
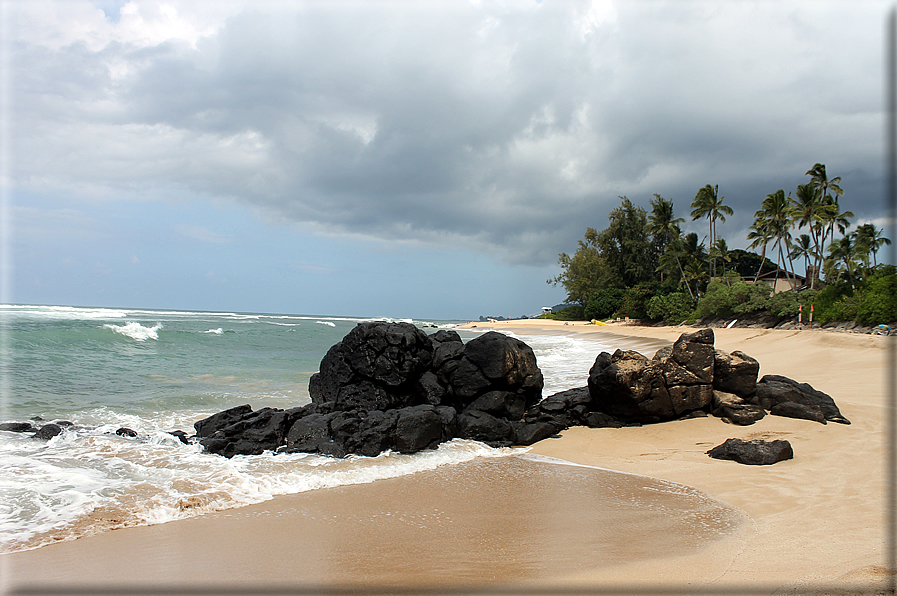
x=136, y=330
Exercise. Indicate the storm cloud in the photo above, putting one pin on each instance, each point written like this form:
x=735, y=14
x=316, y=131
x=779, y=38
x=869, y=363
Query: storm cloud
x=506, y=128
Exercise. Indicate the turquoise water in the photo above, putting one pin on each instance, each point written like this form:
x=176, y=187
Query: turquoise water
x=65, y=361
x=159, y=371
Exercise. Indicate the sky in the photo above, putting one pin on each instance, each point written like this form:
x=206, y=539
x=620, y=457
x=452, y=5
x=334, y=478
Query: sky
x=403, y=158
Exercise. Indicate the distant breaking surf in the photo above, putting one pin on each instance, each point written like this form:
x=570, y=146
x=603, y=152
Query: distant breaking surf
x=136, y=330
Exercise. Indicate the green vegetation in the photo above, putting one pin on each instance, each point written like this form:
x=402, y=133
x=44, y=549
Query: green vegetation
x=642, y=266
x=569, y=313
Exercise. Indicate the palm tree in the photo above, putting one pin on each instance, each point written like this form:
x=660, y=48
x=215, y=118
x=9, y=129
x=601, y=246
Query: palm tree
x=760, y=235
x=821, y=180
x=664, y=226
x=844, y=256
x=720, y=251
x=804, y=248
x=834, y=217
x=808, y=211
x=709, y=204
x=831, y=215
x=775, y=213
x=695, y=271
x=871, y=239
x=674, y=252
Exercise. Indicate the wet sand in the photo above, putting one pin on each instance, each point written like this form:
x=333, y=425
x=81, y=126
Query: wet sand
x=514, y=519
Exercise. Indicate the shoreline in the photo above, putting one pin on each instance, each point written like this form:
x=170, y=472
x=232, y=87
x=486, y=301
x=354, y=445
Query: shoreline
x=820, y=517
x=815, y=520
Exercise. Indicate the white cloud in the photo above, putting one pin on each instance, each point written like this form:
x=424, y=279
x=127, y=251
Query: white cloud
x=505, y=127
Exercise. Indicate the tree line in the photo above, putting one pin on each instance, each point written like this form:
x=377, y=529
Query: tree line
x=643, y=266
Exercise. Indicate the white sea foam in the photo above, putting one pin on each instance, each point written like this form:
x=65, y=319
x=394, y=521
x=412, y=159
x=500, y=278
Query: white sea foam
x=55, y=486
x=218, y=331
x=136, y=330
x=328, y=323
x=62, y=312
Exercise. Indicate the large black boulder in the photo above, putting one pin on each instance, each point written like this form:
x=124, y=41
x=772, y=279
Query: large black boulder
x=626, y=384
x=497, y=374
x=735, y=409
x=480, y=426
x=691, y=359
x=377, y=366
x=786, y=397
x=753, y=453
x=250, y=434
x=47, y=431
x=208, y=426
x=419, y=427
x=735, y=373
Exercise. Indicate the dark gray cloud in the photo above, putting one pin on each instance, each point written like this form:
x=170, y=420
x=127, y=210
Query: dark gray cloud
x=507, y=128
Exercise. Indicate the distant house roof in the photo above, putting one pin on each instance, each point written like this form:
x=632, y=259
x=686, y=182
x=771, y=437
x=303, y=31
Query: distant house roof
x=781, y=280
x=782, y=273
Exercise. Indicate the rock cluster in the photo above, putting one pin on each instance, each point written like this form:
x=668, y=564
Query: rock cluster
x=44, y=431
x=692, y=378
x=389, y=386
x=678, y=380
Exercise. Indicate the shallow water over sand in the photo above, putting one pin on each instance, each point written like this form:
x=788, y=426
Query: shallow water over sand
x=492, y=520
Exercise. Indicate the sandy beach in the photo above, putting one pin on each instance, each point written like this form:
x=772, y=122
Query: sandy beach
x=811, y=524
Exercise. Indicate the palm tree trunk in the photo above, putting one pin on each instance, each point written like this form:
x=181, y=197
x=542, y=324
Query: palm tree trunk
x=793, y=274
x=782, y=261
x=816, y=265
x=762, y=260
x=682, y=273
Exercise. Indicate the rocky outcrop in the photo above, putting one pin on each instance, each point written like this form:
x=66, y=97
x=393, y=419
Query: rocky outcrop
x=47, y=431
x=691, y=377
x=374, y=367
x=753, y=453
x=17, y=427
x=786, y=397
x=677, y=381
x=735, y=373
x=389, y=386
x=734, y=409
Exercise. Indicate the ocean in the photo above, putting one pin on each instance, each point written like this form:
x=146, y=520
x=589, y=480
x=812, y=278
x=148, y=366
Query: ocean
x=157, y=371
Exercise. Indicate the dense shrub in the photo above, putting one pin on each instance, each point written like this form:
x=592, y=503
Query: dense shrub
x=604, y=303
x=655, y=308
x=746, y=297
x=672, y=308
x=830, y=304
x=878, y=302
x=787, y=304
x=722, y=300
x=635, y=302
x=716, y=301
x=845, y=309
x=569, y=313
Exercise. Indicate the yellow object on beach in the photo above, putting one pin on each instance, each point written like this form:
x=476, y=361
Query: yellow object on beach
x=597, y=322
